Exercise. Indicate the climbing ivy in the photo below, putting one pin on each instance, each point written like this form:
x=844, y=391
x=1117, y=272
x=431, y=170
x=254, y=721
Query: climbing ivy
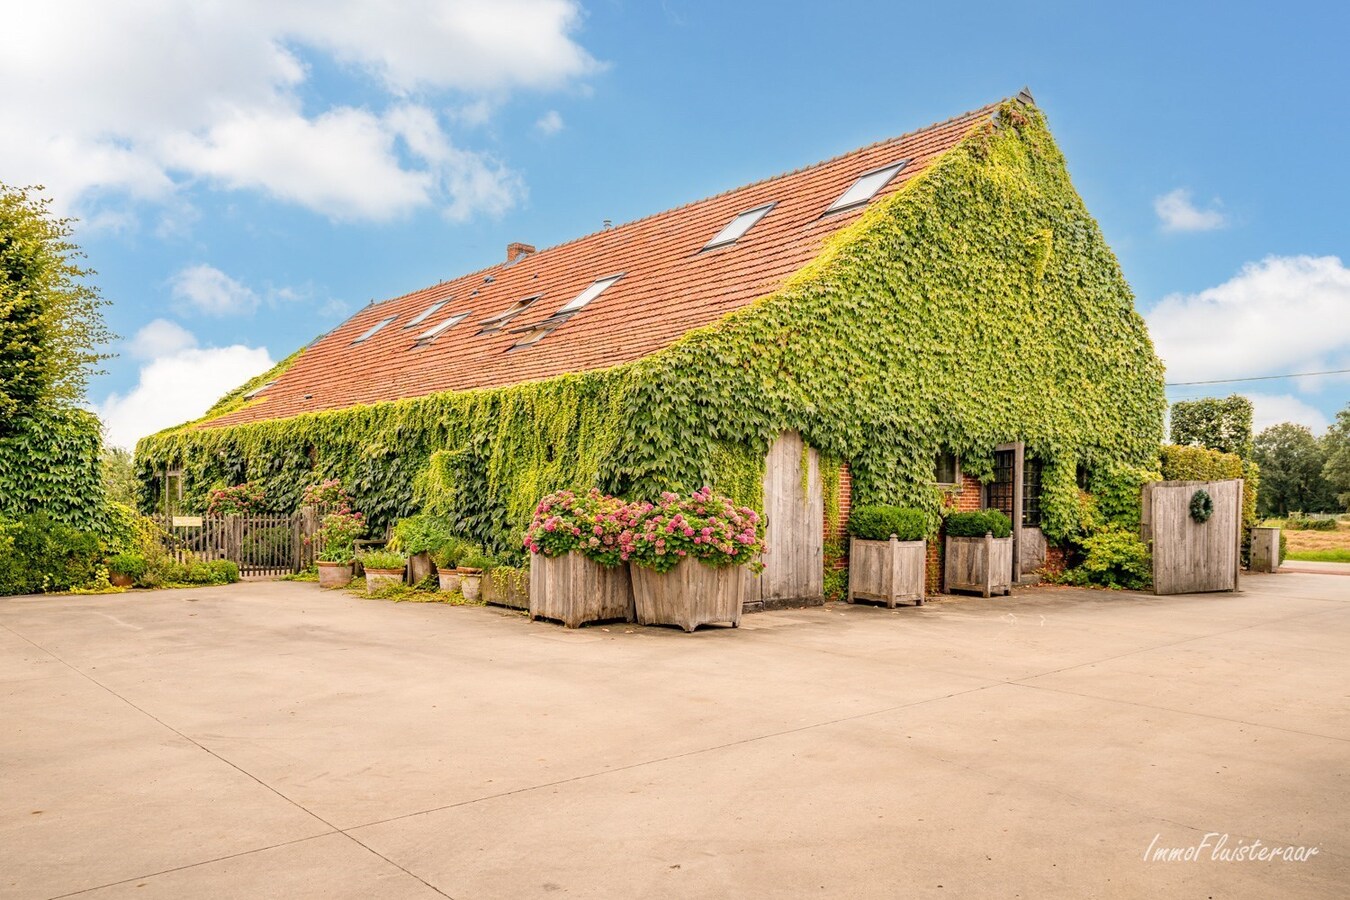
x=978, y=304
x=50, y=464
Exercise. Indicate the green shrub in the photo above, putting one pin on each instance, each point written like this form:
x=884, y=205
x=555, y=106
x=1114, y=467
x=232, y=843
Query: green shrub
x=1300, y=522
x=420, y=534
x=449, y=553
x=477, y=559
x=1115, y=558
x=978, y=524
x=878, y=523
x=44, y=555
x=127, y=563
x=382, y=559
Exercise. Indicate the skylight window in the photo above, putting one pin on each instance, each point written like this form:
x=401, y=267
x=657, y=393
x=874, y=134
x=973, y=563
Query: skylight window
x=738, y=226
x=431, y=334
x=866, y=187
x=498, y=322
x=258, y=390
x=424, y=315
x=533, y=334
x=370, y=332
x=586, y=296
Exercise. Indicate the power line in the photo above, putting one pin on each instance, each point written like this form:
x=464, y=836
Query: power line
x=1258, y=378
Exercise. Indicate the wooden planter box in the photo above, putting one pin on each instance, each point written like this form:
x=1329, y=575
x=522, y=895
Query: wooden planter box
x=889, y=571
x=689, y=595
x=334, y=574
x=504, y=590
x=419, y=568
x=575, y=590
x=381, y=578
x=980, y=564
x=1265, y=550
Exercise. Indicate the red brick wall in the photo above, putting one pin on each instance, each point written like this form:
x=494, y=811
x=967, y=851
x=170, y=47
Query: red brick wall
x=845, y=504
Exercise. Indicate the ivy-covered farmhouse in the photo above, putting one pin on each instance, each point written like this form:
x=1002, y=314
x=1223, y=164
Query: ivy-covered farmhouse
x=933, y=320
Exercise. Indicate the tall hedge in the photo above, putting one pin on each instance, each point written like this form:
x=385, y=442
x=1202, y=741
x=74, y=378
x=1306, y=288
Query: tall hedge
x=977, y=304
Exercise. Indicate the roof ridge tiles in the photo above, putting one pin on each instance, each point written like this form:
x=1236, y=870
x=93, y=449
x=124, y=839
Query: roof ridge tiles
x=969, y=114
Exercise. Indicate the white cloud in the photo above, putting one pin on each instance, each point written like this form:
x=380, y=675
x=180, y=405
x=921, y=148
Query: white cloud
x=1282, y=315
x=1177, y=212
x=135, y=100
x=1272, y=409
x=550, y=122
x=160, y=338
x=208, y=290
x=177, y=388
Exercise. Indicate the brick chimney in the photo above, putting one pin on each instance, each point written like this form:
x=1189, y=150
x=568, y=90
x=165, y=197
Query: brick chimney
x=518, y=250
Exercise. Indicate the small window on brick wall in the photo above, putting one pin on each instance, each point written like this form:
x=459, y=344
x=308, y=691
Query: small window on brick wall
x=947, y=469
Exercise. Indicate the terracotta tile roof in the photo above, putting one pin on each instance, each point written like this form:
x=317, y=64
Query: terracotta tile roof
x=669, y=288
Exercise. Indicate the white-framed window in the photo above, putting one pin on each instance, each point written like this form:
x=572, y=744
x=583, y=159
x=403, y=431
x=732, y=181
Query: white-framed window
x=737, y=227
x=866, y=187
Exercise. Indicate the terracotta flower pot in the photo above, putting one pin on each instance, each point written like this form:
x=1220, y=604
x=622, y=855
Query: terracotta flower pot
x=334, y=574
x=382, y=578
x=449, y=579
x=471, y=583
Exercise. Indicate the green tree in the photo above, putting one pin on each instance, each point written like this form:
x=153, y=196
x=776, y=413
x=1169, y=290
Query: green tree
x=1336, y=470
x=1291, y=461
x=50, y=319
x=1224, y=425
x=119, y=476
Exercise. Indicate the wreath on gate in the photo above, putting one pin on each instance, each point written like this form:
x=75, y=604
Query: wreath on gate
x=1202, y=506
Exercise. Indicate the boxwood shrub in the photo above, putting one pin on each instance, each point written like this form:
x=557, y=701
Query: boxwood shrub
x=977, y=524
x=878, y=523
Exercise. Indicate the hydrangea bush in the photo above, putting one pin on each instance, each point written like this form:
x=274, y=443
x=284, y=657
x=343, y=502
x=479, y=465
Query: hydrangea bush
x=592, y=524
x=703, y=526
x=240, y=500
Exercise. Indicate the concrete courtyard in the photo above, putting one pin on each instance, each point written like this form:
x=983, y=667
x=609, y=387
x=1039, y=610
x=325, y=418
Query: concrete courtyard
x=272, y=740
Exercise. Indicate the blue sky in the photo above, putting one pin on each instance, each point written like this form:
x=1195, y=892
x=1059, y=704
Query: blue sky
x=247, y=177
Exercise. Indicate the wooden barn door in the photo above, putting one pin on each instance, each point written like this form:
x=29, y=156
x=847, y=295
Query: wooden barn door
x=794, y=511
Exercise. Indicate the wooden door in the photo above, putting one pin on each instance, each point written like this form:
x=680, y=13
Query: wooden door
x=794, y=511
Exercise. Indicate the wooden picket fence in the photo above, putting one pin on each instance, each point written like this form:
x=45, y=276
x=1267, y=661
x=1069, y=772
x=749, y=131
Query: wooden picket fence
x=261, y=545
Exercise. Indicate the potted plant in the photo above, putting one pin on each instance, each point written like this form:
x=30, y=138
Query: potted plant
x=335, y=546
x=126, y=568
x=686, y=557
x=418, y=537
x=979, y=552
x=577, y=568
x=887, y=555
x=471, y=566
x=446, y=558
x=383, y=568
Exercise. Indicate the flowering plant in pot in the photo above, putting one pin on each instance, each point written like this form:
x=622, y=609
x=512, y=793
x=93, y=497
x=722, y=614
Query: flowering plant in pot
x=335, y=546
x=577, y=571
x=687, y=554
x=383, y=568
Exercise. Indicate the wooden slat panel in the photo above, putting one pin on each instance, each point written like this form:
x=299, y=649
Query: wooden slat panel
x=1193, y=557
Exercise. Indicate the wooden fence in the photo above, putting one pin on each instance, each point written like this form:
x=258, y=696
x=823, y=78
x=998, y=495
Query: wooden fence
x=1191, y=557
x=261, y=545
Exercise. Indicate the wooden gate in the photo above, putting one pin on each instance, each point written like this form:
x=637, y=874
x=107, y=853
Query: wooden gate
x=1191, y=557
x=261, y=545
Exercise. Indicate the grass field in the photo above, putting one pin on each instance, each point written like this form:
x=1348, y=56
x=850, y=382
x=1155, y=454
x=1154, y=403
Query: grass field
x=1319, y=546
